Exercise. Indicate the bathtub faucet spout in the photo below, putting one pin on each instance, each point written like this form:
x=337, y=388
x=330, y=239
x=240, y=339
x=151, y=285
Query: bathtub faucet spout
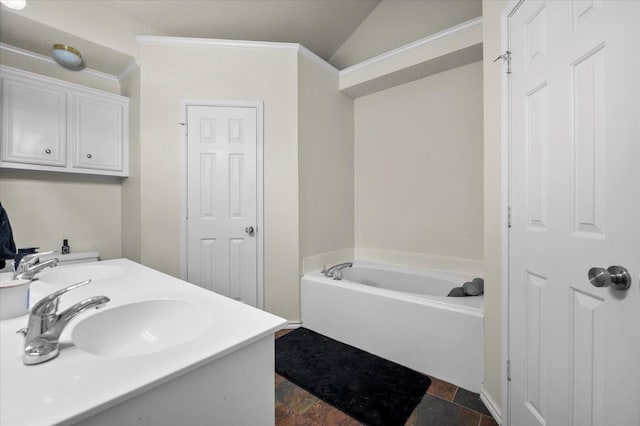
x=335, y=271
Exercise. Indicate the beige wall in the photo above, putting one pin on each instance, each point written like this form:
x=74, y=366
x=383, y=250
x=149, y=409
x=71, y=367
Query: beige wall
x=170, y=73
x=131, y=213
x=325, y=155
x=44, y=207
x=493, y=209
x=418, y=168
x=394, y=23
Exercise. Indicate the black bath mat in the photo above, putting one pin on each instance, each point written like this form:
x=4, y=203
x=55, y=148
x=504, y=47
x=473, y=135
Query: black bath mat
x=370, y=389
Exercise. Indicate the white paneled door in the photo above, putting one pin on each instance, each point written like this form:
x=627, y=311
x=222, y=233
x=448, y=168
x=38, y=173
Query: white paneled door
x=574, y=347
x=222, y=200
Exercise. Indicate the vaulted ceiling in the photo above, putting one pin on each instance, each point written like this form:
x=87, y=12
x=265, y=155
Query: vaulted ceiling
x=322, y=26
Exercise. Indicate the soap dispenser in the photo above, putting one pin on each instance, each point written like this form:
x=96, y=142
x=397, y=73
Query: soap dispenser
x=65, y=247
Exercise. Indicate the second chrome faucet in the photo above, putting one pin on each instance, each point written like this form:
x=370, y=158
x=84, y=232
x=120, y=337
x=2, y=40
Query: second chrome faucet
x=335, y=271
x=30, y=265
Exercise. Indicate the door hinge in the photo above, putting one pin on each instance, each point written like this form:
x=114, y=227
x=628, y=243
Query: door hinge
x=509, y=217
x=186, y=128
x=506, y=56
x=508, y=370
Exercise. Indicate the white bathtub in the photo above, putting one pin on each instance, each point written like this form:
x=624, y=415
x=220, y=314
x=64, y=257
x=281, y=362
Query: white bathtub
x=402, y=315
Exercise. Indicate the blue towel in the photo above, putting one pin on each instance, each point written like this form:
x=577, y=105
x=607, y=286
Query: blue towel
x=7, y=245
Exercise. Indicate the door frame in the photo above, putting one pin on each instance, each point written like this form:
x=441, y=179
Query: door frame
x=259, y=106
x=505, y=199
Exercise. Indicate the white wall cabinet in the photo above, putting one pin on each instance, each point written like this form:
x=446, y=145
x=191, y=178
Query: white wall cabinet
x=34, y=123
x=97, y=132
x=52, y=125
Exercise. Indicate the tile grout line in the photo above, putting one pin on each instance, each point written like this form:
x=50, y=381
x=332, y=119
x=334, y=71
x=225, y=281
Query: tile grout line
x=459, y=405
x=455, y=393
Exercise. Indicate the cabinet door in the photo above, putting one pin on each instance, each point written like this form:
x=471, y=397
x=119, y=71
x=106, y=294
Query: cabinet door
x=34, y=121
x=97, y=133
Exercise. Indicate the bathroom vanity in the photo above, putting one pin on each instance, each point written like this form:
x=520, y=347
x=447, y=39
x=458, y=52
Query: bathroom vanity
x=161, y=352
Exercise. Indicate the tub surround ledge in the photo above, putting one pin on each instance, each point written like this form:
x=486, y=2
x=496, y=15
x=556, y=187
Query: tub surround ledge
x=468, y=268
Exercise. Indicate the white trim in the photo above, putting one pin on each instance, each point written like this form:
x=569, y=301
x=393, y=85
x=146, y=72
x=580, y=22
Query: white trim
x=181, y=41
x=133, y=65
x=37, y=56
x=456, y=29
x=182, y=158
x=293, y=325
x=182, y=184
x=505, y=197
x=318, y=60
x=260, y=199
x=18, y=73
x=491, y=405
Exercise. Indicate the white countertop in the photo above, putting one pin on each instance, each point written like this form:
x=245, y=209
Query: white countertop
x=77, y=384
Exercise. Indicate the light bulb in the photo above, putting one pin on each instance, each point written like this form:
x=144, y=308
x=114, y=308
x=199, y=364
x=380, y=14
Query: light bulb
x=14, y=4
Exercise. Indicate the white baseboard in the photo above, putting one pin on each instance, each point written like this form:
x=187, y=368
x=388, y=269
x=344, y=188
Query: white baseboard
x=293, y=324
x=491, y=405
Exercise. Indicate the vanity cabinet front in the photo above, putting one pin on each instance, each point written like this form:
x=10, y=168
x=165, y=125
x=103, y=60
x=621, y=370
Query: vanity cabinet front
x=53, y=125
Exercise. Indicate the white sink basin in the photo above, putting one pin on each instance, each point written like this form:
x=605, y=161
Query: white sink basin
x=54, y=279
x=140, y=328
x=74, y=274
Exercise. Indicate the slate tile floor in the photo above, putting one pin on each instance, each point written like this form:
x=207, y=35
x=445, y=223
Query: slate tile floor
x=444, y=404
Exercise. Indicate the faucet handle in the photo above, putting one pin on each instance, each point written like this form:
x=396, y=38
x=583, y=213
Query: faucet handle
x=33, y=258
x=49, y=304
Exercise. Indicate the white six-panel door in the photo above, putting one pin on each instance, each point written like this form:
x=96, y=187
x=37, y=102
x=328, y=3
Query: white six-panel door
x=222, y=200
x=575, y=196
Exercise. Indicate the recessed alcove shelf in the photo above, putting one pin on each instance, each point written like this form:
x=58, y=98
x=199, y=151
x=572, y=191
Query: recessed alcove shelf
x=448, y=49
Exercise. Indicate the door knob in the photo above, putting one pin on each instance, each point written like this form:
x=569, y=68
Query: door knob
x=249, y=230
x=616, y=276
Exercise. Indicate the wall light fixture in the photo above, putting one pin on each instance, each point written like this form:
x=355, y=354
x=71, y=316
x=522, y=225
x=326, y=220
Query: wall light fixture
x=66, y=56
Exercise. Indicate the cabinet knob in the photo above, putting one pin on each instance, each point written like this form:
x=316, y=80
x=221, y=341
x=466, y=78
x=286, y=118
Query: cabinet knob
x=89, y=156
x=47, y=151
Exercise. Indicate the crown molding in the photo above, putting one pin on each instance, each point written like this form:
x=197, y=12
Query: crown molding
x=181, y=41
x=317, y=59
x=457, y=29
x=37, y=56
x=133, y=65
x=164, y=40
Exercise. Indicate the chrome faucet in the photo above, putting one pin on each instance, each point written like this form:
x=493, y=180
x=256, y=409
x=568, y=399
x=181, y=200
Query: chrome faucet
x=30, y=265
x=42, y=335
x=335, y=271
